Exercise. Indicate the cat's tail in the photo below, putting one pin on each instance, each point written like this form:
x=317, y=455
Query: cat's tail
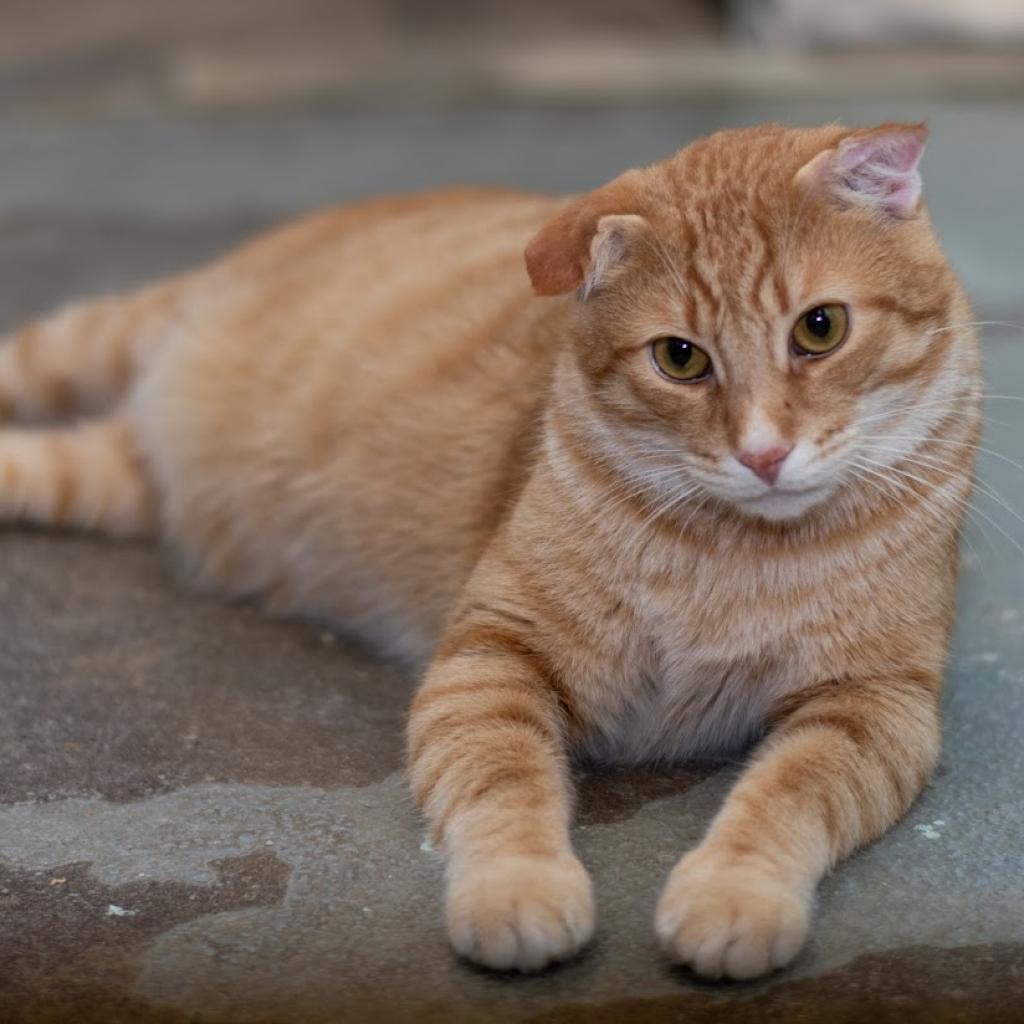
x=90, y=476
x=86, y=356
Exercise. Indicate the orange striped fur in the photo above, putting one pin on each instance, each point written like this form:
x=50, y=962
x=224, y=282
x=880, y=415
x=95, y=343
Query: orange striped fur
x=367, y=416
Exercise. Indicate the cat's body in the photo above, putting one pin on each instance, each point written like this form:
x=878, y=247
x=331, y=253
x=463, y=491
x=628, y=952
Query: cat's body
x=373, y=392
x=367, y=417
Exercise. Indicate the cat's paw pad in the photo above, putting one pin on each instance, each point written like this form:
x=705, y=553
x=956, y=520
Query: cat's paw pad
x=520, y=913
x=727, y=918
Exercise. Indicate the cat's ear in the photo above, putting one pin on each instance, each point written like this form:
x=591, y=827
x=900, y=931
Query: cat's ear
x=876, y=168
x=583, y=244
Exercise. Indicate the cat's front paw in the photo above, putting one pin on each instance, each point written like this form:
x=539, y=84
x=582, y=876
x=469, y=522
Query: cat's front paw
x=725, y=917
x=520, y=913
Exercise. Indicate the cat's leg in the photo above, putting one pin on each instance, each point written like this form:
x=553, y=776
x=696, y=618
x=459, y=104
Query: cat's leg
x=838, y=770
x=83, y=358
x=488, y=766
x=88, y=477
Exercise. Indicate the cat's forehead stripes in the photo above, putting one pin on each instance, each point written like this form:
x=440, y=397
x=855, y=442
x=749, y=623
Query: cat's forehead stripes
x=733, y=274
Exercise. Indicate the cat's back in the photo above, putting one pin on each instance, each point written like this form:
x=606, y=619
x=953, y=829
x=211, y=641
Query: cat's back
x=370, y=286
x=382, y=247
x=347, y=408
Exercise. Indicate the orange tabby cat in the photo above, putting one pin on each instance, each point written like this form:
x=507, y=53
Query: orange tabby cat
x=711, y=489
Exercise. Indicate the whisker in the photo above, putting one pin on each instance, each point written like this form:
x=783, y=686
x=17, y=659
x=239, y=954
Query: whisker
x=655, y=494
x=791, y=232
x=964, y=503
x=984, y=487
x=938, y=403
x=666, y=507
x=948, y=441
x=946, y=402
x=654, y=482
x=902, y=487
x=976, y=323
x=689, y=519
x=658, y=249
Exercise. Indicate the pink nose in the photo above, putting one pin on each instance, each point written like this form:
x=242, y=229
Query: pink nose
x=767, y=463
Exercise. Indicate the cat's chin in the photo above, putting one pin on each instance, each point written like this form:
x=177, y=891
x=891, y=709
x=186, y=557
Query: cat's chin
x=779, y=506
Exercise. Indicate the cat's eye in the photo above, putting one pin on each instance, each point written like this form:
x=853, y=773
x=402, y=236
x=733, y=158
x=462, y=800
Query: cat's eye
x=680, y=359
x=820, y=330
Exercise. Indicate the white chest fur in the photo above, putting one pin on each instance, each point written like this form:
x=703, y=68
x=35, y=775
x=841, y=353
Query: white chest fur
x=687, y=711
x=692, y=683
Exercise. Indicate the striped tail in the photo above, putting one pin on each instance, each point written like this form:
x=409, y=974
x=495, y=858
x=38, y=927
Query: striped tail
x=90, y=477
x=85, y=357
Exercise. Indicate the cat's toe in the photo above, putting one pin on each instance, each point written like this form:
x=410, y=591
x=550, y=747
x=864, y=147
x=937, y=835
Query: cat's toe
x=730, y=919
x=520, y=913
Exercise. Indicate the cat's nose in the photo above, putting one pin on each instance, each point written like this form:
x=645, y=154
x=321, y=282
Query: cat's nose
x=765, y=462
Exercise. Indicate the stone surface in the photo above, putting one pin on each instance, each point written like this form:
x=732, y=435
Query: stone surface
x=202, y=813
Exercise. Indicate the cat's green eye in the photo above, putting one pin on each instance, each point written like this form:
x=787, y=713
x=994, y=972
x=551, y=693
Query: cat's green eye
x=820, y=330
x=680, y=359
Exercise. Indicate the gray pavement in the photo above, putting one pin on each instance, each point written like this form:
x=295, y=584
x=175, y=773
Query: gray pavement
x=202, y=812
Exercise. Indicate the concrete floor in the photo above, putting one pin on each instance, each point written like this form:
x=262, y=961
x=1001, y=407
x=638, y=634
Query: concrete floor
x=203, y=814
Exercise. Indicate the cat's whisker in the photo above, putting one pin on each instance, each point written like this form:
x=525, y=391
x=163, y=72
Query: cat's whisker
x=648, y=481
x=931, y=463
x=987, y=417
x=973, y=550
x=986, y=397
x=891, y=490
x=951, y=403
x=859, y=474
x=667, y=507
x=654, y=480
x=791, y=233
x=976, y=323
x=948, y=403
x=655, y=494
x=689, y=519
x=938, y=403
x=953, y=443
x=966, y=396
x=964, y=503
x=639, y=449
x=673, y=272
x=653, y=483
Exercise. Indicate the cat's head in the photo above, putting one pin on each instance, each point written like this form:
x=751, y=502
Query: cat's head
x=766, y=317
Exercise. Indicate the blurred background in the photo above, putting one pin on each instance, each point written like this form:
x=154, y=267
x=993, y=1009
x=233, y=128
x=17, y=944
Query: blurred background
x=105, y=56
x=205, y=120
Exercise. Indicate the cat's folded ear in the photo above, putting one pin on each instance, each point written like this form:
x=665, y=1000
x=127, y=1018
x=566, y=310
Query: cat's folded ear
x=582, y=245
x=875, y=168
